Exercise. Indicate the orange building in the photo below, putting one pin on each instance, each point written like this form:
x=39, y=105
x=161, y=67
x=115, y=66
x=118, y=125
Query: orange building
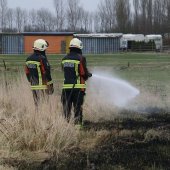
x=58, y=41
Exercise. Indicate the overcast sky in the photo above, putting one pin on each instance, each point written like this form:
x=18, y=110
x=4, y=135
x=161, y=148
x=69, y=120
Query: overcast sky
x=90, y=5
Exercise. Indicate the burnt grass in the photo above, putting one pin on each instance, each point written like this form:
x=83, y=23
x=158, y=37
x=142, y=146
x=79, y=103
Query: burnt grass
x=146, y=147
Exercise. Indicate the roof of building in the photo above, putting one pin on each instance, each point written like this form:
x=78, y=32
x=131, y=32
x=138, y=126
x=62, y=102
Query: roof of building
x=154, y=36
x=48, y=33
x=97, y=35
x=134, y=37
x=39, y=33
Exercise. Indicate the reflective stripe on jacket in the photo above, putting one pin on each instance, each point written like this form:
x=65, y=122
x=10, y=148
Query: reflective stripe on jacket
x=75, y=71
x=38, y=71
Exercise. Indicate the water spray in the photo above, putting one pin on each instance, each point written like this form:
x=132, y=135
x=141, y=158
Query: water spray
x=108, y=90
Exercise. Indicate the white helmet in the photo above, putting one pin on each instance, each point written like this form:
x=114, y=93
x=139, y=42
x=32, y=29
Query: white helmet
x=76, y=43
x=40, y=45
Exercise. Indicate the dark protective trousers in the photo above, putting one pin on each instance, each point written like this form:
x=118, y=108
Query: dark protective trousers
x=73, y=97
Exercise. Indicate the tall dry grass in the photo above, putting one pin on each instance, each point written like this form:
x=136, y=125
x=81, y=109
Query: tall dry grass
x=25, y=129
x=7, y=168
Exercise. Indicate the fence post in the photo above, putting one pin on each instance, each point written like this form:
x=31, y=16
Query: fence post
x=4, y=64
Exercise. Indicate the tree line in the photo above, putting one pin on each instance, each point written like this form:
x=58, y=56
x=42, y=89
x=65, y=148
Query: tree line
x=123, y=16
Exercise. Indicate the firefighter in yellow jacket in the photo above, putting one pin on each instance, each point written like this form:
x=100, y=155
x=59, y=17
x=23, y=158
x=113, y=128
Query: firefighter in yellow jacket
x=38, y=71
x=75, y=75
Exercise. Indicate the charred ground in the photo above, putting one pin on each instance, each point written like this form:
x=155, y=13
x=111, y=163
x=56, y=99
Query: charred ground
x=120, y=144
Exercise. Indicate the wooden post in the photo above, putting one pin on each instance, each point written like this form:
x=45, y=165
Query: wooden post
x=4, y=64
x=128, y=64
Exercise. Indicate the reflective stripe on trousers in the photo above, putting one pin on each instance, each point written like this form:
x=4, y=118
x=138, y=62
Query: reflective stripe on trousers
x=77, y=86
x=39, y=87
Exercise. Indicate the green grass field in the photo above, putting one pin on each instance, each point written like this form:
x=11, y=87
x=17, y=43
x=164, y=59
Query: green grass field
x=112, y=139
x=144, y=69
x=144, y=61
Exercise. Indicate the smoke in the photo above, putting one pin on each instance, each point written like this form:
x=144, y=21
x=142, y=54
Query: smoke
x=105, y=89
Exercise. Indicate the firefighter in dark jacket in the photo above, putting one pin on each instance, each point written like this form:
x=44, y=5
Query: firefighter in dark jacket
x=37, y=70
x=75, y=75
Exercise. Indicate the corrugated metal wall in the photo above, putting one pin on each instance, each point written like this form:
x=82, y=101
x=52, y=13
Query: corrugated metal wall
x=100, y=45
x=11, y=44
x=0, y=44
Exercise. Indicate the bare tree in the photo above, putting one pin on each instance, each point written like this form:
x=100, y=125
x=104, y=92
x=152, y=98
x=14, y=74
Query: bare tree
x=143, y=18
x=51, y=24
x=149, y=15
x=25, y=19
x=91, y=22
x=10, y=18
x=168, y=16
x=146, y=16
x=3, y=9
x=106, y=15
x=159, y=17
x=123, y=15
x=101, y=16
x=136, y=16
x=32, y=21
x=19, y=18
x=60, y=14
x=73, y=13
x=97, y=22
x=86, y=20
x=44, y=19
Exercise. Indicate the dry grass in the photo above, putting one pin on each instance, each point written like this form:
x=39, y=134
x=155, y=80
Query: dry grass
x=23, y=129
x=157, y=134
x=37, y=135
x=7, y=168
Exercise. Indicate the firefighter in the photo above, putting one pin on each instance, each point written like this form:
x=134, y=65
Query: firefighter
x=75, y=75
x=37, y=70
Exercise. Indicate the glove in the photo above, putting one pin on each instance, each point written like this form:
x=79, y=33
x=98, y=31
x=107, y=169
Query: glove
x=50, y=89
x=89, y=74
